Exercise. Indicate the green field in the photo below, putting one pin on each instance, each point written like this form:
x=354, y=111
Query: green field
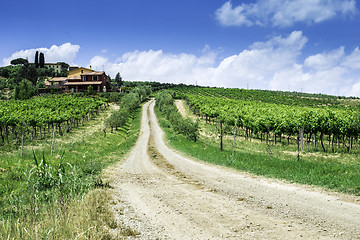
x=257, y=152
x=50, y=166
x=62, y=195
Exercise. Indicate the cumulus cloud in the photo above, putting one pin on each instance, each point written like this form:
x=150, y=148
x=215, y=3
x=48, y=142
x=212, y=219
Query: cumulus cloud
x=353, y=60
x=64, y=53
x=273, y=64
x=333, y=72
x=159, y=66
x=257, y=65
x=327, y=60
x=283, y=13
x=254, y=66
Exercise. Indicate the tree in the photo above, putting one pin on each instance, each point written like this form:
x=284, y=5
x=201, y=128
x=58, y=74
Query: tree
x=64, y=69
x=90, y=89
x=31, y=74
x=26, y=71
x=18, y=61
x=116, y=83
x=118, y=80
x=42, y=60
x=24, y=90
x=64, y=65
x=37, y=59
x=4, y=72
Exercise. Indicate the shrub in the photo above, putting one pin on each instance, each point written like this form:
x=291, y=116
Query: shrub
x=165, y=103
x=129, y=103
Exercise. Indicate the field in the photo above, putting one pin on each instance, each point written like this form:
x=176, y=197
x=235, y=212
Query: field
x=53, y=151
x=50, y=184
x=267, y=139
x=280, y=115
x=172, y=195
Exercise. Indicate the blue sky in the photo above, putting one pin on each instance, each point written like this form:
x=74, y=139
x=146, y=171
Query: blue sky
x=299, y=45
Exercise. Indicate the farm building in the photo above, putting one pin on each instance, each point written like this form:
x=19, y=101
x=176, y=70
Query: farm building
x=80, y=79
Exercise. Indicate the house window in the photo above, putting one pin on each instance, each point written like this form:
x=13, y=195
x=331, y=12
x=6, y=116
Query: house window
x=94, y=78
x=85, y=78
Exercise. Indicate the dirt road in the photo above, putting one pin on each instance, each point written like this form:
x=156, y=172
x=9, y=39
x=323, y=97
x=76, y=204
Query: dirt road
x=164, y=195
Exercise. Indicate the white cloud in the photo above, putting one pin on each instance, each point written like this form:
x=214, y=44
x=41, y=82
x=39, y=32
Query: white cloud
x=353, y=60
x=227, y=15
x=257, y=65
x=282, y=12
x=325, y=61
x=158, y=66
x=98, y=62
x=354, y=90
x=254, y=66
x=64, y=53
x=273, y=64
x=295, y=42
x=331, y=72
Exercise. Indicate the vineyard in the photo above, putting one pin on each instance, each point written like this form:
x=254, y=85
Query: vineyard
x=310, y=119
x=41, y=116
x=48, y=189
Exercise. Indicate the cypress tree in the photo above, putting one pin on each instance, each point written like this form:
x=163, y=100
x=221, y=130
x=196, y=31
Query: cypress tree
x=42, y=60
x=37, y=59
x=118, y=80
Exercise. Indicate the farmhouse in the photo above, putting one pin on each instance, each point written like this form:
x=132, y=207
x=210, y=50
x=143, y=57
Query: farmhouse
x=57, y=67
x=76, y=71
x=79, y=79
x=98, y=80
x=56, y=82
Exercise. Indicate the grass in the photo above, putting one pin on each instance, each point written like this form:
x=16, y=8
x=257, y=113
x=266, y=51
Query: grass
x=83, y=218
x=62, y=196
x=319, y=170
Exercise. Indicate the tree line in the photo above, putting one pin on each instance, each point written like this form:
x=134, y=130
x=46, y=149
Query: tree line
x=129, y=103
x=23, y=76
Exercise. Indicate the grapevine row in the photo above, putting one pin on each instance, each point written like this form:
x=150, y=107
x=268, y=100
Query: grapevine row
x=35, y=115
x=277, y=97
x=259, y=117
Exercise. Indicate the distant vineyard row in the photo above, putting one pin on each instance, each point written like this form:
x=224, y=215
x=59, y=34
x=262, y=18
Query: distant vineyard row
x=277, y=97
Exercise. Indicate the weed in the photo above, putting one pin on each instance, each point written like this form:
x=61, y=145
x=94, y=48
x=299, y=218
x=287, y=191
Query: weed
x=128, y=232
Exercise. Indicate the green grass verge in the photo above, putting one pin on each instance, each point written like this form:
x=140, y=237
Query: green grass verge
x=63, y=197
x=328, y=174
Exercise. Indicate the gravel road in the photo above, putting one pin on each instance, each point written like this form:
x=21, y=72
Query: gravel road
x=164, y=195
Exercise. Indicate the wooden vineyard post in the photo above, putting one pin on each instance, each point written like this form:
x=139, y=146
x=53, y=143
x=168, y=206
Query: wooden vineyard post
x=234, y=138
x=221, y=136
x=53, y=140
x=307, y=141
x=22, y=143
x=301, y=132
x=99, y=130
